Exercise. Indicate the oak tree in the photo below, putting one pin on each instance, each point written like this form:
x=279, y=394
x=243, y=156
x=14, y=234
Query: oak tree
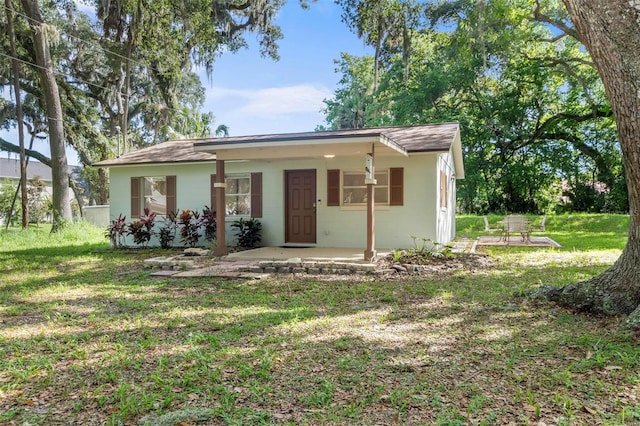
x=610, y=30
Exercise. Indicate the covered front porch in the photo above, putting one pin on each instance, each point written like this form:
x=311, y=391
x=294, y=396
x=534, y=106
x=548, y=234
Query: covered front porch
x=301, y=200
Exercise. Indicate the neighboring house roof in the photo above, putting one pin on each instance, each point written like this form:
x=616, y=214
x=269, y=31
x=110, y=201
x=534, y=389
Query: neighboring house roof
x=10, y=169
x=396, y=140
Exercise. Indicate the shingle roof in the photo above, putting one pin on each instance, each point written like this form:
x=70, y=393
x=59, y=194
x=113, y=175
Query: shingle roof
x=429, y=137
x=178, y=151
x=423, y=138
x=10, y=168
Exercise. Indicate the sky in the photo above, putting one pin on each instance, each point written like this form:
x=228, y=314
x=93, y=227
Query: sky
x=253, y=95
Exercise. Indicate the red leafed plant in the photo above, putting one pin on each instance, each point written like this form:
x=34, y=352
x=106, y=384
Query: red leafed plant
x=141, y=230
x=190, y=231
x=115, y=231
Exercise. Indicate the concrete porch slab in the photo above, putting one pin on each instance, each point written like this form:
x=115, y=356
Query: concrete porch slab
x=336, y=254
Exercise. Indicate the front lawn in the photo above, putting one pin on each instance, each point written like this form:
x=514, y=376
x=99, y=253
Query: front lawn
x=88, y=337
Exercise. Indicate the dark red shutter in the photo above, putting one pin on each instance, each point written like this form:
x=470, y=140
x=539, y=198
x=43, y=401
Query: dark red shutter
x=135, y=198
x=256, y=194
x=333, y=187
x=396, y=186
x=212, y=206
x=171, y=195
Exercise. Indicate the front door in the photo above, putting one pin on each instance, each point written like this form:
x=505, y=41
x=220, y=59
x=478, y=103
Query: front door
x=300, y=206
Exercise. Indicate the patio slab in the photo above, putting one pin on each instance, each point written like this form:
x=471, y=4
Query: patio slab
x=517, y=241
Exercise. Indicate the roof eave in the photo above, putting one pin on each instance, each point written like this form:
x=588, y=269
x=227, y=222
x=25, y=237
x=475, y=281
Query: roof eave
x=108, y=163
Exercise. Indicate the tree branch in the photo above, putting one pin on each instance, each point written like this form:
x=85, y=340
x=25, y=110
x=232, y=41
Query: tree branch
x=541, y=17
x=8, y=146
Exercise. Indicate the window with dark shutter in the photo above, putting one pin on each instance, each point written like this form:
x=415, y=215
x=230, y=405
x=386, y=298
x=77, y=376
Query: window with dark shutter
x=396, y=186
x=256, y=194
x=135, y=197
x=156, y=193
x=333, y=187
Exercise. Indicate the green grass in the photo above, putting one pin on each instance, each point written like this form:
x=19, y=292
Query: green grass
x=577, y=231
x=88, y=337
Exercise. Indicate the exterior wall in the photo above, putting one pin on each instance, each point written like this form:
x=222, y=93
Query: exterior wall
x=337, y=226
x=446, y=221
x=394, y=225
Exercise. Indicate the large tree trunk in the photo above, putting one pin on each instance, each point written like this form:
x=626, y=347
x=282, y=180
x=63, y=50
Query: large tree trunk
x=59, y=166
x=610, y=30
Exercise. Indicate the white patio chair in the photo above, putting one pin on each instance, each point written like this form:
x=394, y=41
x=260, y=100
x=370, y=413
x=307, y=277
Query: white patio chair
x=541, y=227
x=517, y=224
x=488, y=228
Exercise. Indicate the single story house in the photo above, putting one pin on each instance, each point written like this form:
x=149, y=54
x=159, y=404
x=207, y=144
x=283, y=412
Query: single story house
x=377, y=187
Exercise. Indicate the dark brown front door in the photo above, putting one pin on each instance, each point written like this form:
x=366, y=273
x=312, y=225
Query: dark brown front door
x=300, y=205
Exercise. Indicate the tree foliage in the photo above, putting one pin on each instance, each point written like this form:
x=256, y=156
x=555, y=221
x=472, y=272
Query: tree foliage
x=536, y=121
x=126, y=73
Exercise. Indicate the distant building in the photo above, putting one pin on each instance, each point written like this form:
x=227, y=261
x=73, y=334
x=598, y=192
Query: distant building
x=10, y=174
x=10, y=171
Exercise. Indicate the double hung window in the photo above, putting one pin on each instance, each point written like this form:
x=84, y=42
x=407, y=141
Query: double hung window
x=354, y=189
x=348, y=188
x=156, y=193
x=237, y=199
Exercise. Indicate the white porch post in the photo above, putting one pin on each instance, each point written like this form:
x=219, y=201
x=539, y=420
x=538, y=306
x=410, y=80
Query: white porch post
x=370, y=181
x=220, y=187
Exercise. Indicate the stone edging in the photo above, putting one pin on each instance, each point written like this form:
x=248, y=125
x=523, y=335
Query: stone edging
x=297, y=266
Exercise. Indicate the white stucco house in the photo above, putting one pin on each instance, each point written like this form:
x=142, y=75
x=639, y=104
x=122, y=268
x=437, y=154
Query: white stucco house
x=364, y=188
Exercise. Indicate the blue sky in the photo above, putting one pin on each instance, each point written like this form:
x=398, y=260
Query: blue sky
x=254, y=95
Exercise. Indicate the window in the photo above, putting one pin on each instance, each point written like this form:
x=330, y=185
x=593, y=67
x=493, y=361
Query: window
x=238, y=195
x=243, y=194
x=348, y=187
x=444, y=196
x=157, y=193
x=354, y=189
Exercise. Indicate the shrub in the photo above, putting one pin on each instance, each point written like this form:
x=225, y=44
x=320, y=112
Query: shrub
x=249, y=232
x=115, y=231
x=422, y=252
x=167, y=232
x=208, y=222
x=189, y=232
x=142, y=230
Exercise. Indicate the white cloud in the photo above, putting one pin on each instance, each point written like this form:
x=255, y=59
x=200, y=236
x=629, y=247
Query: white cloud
x=270, y=110
x=272, y=101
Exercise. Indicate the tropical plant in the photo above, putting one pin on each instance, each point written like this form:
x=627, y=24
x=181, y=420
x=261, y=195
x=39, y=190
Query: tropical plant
x=167, y=232
x=248, y=232
x=116, y=231
x=190, y=231
x=423, y=250
x=142, y=230
x=208, y=222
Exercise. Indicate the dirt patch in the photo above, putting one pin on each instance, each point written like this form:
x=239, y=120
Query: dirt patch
x=437, y=265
